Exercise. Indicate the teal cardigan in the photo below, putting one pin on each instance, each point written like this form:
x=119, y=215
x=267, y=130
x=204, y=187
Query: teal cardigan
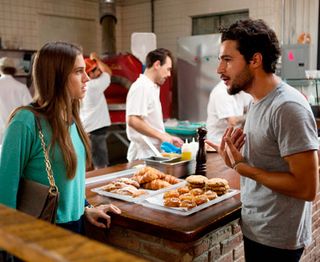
x=22, y=156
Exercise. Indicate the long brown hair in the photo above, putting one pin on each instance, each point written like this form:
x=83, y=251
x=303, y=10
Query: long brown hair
x=52, y=67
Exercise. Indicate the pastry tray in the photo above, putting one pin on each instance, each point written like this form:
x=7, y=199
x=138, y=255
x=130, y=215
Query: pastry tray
x=156, y=202
x=101, y=191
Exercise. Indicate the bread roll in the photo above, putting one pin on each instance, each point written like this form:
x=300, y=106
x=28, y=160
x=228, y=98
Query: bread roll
x=156, y=184
x=171, y=202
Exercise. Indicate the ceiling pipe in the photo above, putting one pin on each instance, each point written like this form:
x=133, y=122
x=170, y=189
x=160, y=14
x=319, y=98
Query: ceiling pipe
x=152, y=16
x=283, y=17
x=108, y=22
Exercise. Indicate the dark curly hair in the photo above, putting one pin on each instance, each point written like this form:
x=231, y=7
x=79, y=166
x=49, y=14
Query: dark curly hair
x=254, y=36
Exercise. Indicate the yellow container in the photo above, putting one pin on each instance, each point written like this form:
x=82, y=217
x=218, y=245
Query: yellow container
x=186, y=155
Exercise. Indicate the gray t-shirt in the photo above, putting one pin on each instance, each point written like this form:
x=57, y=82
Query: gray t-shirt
x=279, y=125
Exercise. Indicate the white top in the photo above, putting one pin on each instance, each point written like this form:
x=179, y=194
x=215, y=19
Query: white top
x=221, y=106
x=143, y=100
x=12, y=95
x=94, y=110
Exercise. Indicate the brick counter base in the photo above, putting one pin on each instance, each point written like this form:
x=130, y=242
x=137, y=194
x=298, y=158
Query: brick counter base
x=222, y=245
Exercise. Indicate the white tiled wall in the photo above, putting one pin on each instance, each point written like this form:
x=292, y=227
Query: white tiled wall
x=28, y=23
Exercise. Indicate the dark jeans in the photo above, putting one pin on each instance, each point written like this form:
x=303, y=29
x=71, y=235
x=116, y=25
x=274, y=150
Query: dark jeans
x=257, y=252
x=99, y=147
x=6, y=257
x=74, y=226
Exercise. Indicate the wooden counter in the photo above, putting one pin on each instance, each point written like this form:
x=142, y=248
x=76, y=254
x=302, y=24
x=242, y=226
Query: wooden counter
x=181, y=232
x=32, y=239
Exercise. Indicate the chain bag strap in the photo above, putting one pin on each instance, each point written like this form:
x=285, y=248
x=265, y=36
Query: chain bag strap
x=36, y=199
x=53, y=187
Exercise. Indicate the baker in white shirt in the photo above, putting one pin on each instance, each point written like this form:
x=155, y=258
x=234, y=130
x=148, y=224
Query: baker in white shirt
x=12, y=93
x=143, y=107
x=94, y=110
x=224, y=111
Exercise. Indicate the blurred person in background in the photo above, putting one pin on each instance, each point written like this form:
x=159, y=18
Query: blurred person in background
x=144, y=118
x=12, y=93
x=60, y=83
x=224, y=111
x=94, y=110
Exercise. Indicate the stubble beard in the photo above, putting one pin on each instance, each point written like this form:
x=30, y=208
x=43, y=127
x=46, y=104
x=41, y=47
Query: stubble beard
x=244, y=80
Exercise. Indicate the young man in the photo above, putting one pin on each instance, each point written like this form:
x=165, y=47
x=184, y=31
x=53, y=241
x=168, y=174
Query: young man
x=143, y=107
x=279, y=162
x=94, y=109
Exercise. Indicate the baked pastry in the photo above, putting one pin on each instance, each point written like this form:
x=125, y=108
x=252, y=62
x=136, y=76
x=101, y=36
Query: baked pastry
x=148, y=169
x=129, y=181
x=188, y=203
x=156, y=184
x=219, y=188
x=141, y=171
x=196, y=181
x=196, y=191
x=118, y=184
x=186, y=196
x=139, y=192
x=219, y=193
x=171, y=179
x=218, y=185
x=127, y=190
x=109, y=187
x=183, y=190
x=171, y=202
x=171, y=193
x=211, y=194
x=217, y=182
x=147, y=177
x=201, y=199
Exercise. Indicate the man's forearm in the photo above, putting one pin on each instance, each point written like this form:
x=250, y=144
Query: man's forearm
x=143, y=128
x=282, y=182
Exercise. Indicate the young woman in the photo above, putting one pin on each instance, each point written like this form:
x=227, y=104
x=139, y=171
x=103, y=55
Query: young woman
x=60, y=80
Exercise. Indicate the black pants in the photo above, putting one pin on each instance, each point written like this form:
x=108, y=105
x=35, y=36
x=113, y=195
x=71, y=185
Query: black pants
x=257, y=252
x=99, y=149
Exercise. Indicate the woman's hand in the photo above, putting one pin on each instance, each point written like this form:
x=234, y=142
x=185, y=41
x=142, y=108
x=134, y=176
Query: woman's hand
x=100, y=212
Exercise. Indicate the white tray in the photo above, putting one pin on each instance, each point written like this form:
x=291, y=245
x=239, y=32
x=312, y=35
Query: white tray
x=100, y=191
x=107, y=177
x=156, y=202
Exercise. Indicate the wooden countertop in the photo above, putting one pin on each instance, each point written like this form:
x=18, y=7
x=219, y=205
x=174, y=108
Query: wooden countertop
x=167, y=225
x=32, y=239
